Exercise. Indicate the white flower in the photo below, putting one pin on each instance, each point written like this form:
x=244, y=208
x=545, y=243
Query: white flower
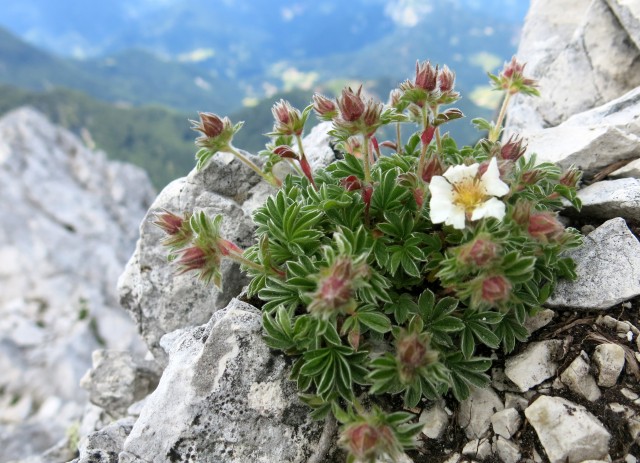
x=460, y=194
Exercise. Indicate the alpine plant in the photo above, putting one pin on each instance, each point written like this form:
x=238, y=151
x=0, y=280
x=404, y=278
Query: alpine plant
x=396, y=270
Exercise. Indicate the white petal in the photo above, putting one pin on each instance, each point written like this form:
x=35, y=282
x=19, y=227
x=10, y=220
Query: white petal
x=461, y=173
x=441, y=202
x=456, y=218
x=490, y=208
x=491, y=180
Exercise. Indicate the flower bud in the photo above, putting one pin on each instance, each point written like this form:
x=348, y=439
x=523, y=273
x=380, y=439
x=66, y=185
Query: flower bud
x=286, y=152
x=570, y=177
x=193, y=258
x=545, y=227
x=413, y=352
x=325, y=108
x=446, y=79
x=426, y=76
x=371, y=116
x=479, y=252
x=177, y=228
x=336, y=287
x=288, y=120
x=531, y=177
x=513, y=149
x=351, y=105
x=495, y=289
x=432, y=168
x=351, y=183
x=211, y=124
x=366, y=441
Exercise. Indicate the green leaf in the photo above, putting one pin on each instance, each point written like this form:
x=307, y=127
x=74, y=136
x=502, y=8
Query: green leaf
x=375, y=321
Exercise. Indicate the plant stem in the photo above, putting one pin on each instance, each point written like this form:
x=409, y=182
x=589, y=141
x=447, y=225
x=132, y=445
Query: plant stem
x=434, y=109
x=244, y=261
x=268, y=178
x=365, y=156
x=423, y=149
x=398, y=139
x=495, y=133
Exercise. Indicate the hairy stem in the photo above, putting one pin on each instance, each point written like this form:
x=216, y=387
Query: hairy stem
x=398, y=139
x=365, y=157
x=271, y=179
x=495, y=133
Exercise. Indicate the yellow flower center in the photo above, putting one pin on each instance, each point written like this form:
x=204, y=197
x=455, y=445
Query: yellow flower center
x=469, y=194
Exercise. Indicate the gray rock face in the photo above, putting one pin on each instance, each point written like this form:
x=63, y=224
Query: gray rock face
x=608, y=268
x=568, y=432
x=568, y=38
x=161, y=301
x=69, y=222
x=103, y=446
x=612, y=198
x=116, y=381
x=222, y=384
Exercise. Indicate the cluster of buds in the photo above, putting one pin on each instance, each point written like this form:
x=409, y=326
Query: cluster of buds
x=197, y=244
x=355, y=114
x=288, y=120
x=430, y=87
x=217, y=132
x=413, y=352
x=512, y=80
x=336, y=287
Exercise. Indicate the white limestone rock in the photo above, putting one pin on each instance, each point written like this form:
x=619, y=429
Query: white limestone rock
x=628, y=13
x=608, y=269
x=475, y=412
x=568, y=432
x=317, y=146
x=611, y=198
x=539, y=320
x=69, y=222
x=435, y=420
x=506, y=422
x=535, y=364
x=609, y=359
x=589, y=42
x=224, y=396
x=578, y=378
x=116, y=381
x=508, y=450
x=477, y=448
x=103, y=446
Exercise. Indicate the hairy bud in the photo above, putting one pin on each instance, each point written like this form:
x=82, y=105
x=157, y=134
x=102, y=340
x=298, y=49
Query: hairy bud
x=351, y=105
x=479, y=252
x=545, y=227
x=426, y=76
x=324, y=107
x=513, y=149
x=495, y=289
x=446, y=79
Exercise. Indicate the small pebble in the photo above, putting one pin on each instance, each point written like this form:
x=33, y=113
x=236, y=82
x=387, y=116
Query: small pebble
x=629, y=394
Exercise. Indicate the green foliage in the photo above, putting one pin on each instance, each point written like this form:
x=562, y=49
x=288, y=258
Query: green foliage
x=398, y=274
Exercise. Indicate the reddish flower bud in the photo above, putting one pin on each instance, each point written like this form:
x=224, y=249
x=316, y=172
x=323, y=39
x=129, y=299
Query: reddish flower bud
x=446, y=79
x=395, y=97
x=479, y=252
x=413, y=351
x=226, y=247
x=496, y=289
x=367, y=192
x=418, y=196
x=285, y=151
x=351, y=105
x=531, y=177
x=513, y=149
x=363, y=441
x=522, y=212
x=427, y=135
x=426, y=76
x=571, y=177
x=351, y=183
x=432, y=168
x=336, y=287
x=177, y=228
x=512, y=68
x=545, y=227
x=325, y=108
x=288, y=120
x=210, y=124
x=170, y=223
x=193, y=258
x=371, y=116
